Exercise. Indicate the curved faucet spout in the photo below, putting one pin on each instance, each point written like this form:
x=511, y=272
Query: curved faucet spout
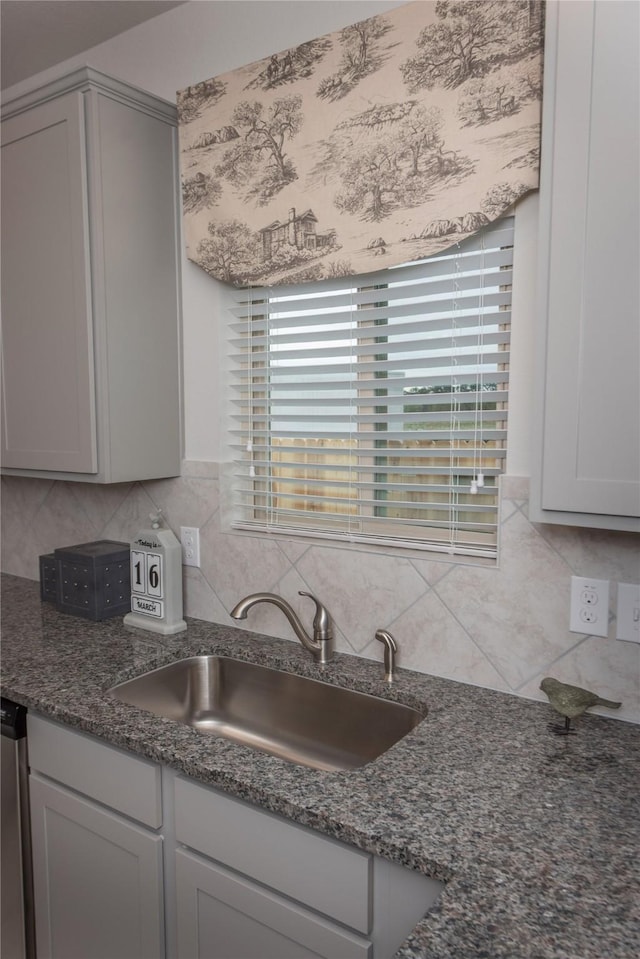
x=320, y=646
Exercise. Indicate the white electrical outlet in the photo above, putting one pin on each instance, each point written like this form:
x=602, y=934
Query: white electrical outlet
x=628, y=613
x=190, y=540
x=589, y=606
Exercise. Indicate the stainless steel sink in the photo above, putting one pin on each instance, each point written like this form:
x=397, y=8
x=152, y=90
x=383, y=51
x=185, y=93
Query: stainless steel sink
x=298, y=719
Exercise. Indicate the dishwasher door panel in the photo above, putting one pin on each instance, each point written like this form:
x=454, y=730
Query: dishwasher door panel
x=12, y=927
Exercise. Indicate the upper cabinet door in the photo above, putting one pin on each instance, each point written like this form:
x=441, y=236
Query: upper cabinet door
x=589, y=449
x=90, y=283
x=48, y=419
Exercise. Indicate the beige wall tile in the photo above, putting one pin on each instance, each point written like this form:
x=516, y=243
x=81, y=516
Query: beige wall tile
x=595, y=552
x=365, y=591
x=199, y=599
x=431, y=640
x=236, y=565
x=190, y=501
x=517, y=614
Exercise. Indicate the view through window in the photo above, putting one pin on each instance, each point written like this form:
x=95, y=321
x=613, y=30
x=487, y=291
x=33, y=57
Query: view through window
x=374, y=409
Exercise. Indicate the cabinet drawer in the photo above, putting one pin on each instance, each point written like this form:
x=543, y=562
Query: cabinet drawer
x=224, y=916
x=320, y=872
x=104, y=773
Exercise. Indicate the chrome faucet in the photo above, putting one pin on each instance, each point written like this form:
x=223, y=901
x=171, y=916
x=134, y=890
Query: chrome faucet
x=321, y=646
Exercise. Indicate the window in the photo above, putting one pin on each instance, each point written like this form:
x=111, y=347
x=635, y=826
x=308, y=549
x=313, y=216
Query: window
x=373, y=409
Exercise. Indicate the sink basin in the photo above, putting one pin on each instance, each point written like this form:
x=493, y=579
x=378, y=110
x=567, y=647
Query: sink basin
x=300, y=720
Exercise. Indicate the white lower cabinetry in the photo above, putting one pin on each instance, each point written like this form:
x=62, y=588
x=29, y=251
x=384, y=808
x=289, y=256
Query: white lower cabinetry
x=133, y=861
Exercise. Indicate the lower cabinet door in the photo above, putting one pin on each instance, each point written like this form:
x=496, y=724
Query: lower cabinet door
x=97, y=880
x=222, y=915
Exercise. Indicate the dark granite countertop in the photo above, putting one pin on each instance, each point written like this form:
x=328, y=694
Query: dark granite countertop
x=536, y=836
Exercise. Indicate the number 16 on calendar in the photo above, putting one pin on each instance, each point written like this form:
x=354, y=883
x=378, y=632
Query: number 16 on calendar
x=147, y=575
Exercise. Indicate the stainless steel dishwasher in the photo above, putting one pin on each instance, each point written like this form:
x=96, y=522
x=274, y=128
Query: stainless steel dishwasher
x=17, y=936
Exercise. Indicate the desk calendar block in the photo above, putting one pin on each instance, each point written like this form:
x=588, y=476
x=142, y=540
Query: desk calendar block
x=156, y=580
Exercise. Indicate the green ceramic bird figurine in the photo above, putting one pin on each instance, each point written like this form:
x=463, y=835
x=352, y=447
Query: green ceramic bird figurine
x=571, y=701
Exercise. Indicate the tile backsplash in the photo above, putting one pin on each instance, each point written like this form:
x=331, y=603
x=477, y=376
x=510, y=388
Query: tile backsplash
x=504, y=628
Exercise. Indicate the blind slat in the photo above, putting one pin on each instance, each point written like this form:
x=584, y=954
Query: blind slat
x=242, y=472
x=388, y=436
x=391, y=488
x=247, y=403
x=410, y=420
x=367, y=453
x=435, y=379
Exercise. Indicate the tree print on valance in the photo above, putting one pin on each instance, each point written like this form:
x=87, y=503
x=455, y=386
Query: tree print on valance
x=379, y=144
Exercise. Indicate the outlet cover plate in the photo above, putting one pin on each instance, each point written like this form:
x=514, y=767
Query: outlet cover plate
x=628, y=613
x=190, y=541
x=589, y=606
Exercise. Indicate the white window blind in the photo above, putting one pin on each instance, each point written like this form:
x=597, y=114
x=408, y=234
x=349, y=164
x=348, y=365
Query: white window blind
x=374, y=409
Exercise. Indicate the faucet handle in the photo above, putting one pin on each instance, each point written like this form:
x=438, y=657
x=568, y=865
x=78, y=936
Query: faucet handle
x=390, y=650
x=322, y=625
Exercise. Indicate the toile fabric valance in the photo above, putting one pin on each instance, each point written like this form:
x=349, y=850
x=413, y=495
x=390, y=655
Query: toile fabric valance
x=379, y=144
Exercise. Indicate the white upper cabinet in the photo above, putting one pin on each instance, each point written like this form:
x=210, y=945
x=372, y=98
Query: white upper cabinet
x=90, y=283
x=588, y=444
